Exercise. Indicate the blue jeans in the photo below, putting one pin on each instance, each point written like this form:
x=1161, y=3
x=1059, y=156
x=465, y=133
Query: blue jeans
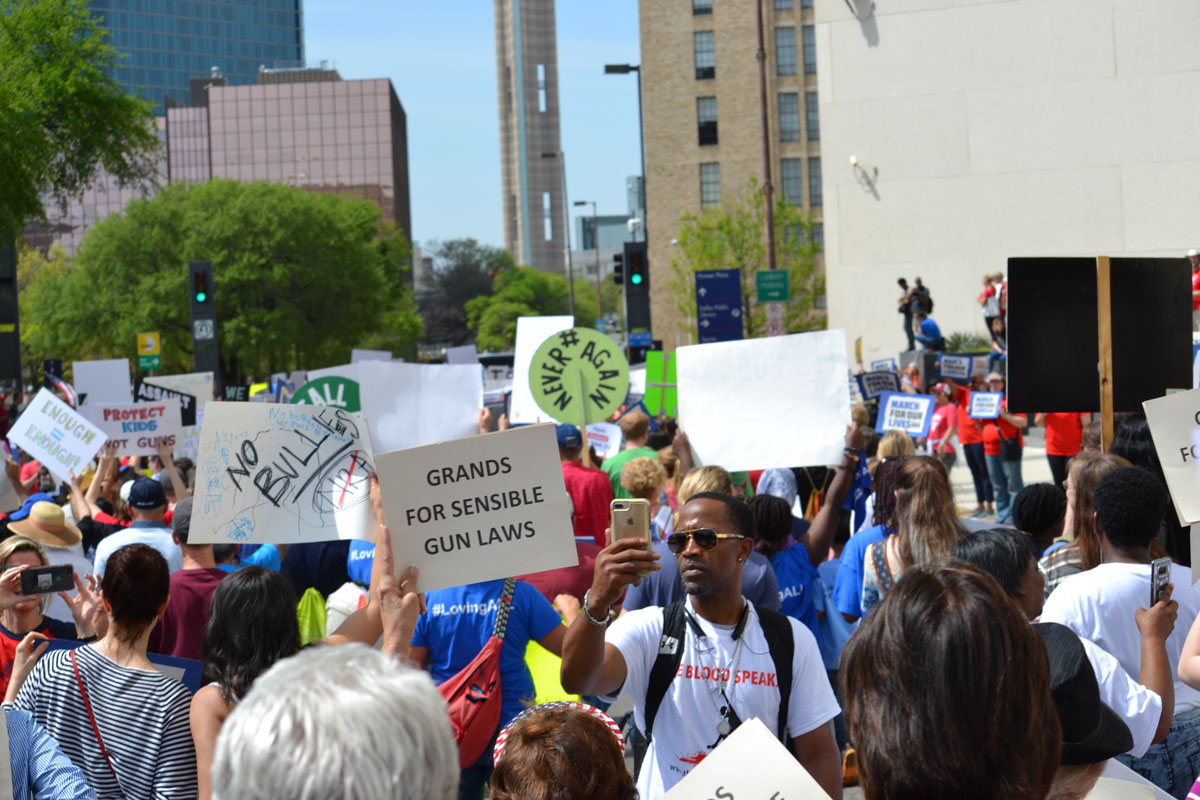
x=1174, y=764
x=979, y=472
x=1006, y=483
x=930, y=343
x=995, y=358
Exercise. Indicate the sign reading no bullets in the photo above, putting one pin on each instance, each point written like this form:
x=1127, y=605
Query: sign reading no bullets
x=479, y=508
x=579, y=376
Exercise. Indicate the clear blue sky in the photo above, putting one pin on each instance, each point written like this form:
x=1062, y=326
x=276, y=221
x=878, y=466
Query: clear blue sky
x=441, y=57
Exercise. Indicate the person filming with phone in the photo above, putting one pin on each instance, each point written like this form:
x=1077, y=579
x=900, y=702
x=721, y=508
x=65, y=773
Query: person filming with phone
x=700, y=667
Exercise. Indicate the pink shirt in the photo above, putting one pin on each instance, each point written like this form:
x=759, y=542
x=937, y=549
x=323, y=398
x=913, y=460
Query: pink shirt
x=944, y=419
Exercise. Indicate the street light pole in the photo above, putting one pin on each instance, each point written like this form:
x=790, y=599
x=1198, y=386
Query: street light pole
x=596, y=247
x=625, y=69
x=562, y=161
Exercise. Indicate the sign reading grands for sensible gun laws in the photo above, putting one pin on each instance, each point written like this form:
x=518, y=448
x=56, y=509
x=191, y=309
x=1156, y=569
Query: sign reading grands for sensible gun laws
x=62, y=440
x=478, y=508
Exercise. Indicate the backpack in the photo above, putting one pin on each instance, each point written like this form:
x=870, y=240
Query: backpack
x=473, y=695
x=778, y=631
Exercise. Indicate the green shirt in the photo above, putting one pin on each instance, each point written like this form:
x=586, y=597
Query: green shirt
x=614, y=465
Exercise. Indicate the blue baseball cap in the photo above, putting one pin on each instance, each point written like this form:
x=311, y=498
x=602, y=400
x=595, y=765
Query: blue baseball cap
x=23, y=511
x=568, y=436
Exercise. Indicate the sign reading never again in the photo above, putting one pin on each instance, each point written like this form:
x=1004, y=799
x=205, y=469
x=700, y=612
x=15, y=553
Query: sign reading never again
x=579, y=376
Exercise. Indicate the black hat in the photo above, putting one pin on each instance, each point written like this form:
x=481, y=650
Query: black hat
x=1092, y=731
x=147, y=493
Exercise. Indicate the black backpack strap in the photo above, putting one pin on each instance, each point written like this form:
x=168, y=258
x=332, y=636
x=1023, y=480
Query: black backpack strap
x=780, y=641
x=666, y=665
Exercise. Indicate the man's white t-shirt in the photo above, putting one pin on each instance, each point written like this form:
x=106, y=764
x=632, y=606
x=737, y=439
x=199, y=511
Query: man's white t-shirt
x=685, y=728
x=1100, y=604
x=160, y=538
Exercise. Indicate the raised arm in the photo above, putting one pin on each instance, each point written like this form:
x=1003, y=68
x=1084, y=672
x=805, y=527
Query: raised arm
x=820, y=534
x=1156, y=625
x=683, y=451
x=168, y=462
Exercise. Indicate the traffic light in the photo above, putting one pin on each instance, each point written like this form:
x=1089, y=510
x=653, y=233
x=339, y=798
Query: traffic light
x=639, y=272
x=618, y=268
x=204, y=318
x=637, y=287
x=200, y=286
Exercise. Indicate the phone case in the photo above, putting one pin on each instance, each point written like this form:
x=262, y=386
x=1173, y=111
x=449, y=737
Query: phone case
x=630, y=518
x=43, y=580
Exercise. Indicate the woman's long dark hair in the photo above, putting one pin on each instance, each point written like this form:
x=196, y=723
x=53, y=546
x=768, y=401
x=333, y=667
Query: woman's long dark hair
x=253, y=625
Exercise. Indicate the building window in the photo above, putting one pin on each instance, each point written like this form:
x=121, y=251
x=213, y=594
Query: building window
x=806, y=3
x=785, y=51
x=793, y=235
x=810, y=50
x=706, y=55
x=706, y=115
x=547, y=217
x=792, y=176
x=701, y=6
x=710, y=184
x=785, y=5
x=814, y=181
x=789, y=117
x=812, y=118
x=819, y=236
x=541, y=79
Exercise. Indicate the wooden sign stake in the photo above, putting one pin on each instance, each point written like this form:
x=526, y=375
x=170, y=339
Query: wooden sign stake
x=1104, y=308
x=587, y=452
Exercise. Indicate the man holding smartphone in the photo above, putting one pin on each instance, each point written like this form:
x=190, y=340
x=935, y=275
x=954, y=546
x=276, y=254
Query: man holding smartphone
x=1103, y=605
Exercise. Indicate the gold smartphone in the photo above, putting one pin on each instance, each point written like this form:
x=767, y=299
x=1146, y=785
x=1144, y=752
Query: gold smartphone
x=630, y=518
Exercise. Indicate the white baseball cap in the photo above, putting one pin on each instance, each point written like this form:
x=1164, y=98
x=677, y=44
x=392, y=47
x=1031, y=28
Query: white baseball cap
x=1193, y=252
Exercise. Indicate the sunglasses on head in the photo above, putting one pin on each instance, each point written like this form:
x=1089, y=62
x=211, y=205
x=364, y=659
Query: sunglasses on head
x=705, y=538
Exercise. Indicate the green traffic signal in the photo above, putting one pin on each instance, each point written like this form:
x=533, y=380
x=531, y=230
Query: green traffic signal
x=635, y=279
x=201, y=297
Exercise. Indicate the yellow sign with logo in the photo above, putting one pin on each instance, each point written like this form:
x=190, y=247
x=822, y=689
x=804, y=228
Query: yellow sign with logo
x=148, y=344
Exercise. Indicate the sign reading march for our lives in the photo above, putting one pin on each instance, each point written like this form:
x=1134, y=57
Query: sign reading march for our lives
x=282, y=473
x=479, y=508
x=138, y=429
x=873, y=384
x=985, y=405
x=884, y=365
x=53, y=433
x=956, y=368
x=1175, y=428
x=579, y=376
x=908, y=413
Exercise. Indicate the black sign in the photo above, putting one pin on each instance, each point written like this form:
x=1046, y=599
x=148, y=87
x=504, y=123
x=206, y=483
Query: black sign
x=149, y=393
x=239, y=394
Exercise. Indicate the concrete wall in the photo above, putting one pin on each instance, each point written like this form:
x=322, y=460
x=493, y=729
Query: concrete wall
x=998, y=129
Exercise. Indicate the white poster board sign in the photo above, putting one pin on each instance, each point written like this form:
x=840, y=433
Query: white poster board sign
x=479, y=508
x=138, y=428
x=531, y=332
x=198, y=384
x=104, y=381
x=282, y=473
x=605, y=438
x=357, y=355
x=733, y=396
x=467, y=354
x=1175, y=427
x=724, y=774
x=908, y=413
x=408, y=405
x=956, y=368
x=62, y=440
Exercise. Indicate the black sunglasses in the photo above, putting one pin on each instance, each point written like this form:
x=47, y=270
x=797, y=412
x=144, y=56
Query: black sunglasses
x=705, y=538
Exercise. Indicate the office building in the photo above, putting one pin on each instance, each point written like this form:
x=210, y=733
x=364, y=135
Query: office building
x=168, y=42
x=701, y=111
x=530, y=148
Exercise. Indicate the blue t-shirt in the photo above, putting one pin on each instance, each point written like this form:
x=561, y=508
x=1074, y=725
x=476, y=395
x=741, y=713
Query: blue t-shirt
x=459, y=621
x=360, y=560
x=835, y=631
x=799, y=586
x=930, y=328
x=664, y=587
x=847, y=590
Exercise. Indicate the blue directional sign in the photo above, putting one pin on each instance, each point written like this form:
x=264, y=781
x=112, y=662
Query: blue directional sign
x=719, y=305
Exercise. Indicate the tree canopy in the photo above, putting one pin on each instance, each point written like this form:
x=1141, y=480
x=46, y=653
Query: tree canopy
x=63, y=118
x=732, y=236
x=463, y=269
x=299, y=280
x=524, y=292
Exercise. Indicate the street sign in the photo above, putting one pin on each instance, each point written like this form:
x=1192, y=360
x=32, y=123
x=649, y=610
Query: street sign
x=719, y=305
x=640, y=339
x=149, y=362
x=203, y=329
x=772, y=285
x=148, y=344
x=775, y=325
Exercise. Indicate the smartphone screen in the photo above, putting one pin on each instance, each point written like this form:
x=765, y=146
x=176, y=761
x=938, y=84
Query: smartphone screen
x=1160, y=576
x=43, y=580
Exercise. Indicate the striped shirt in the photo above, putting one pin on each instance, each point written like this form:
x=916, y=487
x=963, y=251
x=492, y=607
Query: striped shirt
x=142, y=716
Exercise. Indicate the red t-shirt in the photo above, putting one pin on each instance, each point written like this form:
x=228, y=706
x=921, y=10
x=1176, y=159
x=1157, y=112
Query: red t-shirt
x=53, y=628
x=1064, y=434
x=943, y=419
x=180, y=632
x=994, y=429
x=591, y=492
x=969, y=430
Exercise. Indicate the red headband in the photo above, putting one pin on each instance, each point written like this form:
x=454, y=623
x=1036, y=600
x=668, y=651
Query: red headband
x=502, y=739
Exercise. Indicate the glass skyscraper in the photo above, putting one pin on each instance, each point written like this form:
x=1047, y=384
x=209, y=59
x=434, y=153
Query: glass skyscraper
x=167, y=42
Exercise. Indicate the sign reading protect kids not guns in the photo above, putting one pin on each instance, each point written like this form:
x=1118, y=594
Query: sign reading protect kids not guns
x=579, y=376
x=282, y=473
x=62, y=440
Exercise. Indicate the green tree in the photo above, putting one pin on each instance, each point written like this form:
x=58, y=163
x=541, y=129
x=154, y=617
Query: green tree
x=299, y=279
x=731, y=236
x=63, y=118
x=522, y=292
x=37, y=275
x=463, y=269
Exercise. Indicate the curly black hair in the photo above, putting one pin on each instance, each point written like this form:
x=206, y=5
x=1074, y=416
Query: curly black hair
x=1129, y=503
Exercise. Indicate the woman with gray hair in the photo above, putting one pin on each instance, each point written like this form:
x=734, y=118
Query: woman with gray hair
x=338, y=722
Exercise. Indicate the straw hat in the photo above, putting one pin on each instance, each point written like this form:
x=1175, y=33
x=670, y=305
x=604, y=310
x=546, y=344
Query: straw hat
x=47, y=525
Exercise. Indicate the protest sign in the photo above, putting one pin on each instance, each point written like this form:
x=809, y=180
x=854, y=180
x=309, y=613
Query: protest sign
x=984, y=405
x=856, y=396
x=407, y=405
x=723, y=773
x=281, y=473
x=53, y=433
x=873, y=384
x=908, y=413
x=138, y=428
x=661, y=396
x=479, y=508
x=149, y=393
x=199, y=385
x=763, y=403
x=531, y=332
x=884, y=365
x=333, y=390
x=235, y=392
x=104, y=381
x=579, y=376
x=956, y=368
x=1175, y=428
x=605, y=438
x=357, y=355
x=467, y=354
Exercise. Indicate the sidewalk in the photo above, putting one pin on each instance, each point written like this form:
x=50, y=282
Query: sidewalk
x=1034, y=469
